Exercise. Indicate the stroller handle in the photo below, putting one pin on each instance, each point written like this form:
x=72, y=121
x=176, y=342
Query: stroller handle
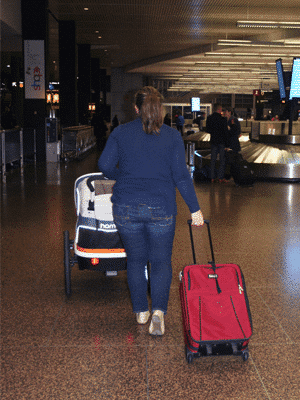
x=92, y=179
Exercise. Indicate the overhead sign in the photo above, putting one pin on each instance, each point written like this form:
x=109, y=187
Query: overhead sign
x=195, y=102
x=295, y=82
x=256, y=92
x=34, y=67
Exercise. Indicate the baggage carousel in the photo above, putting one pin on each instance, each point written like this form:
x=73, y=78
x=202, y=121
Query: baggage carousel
x=272, y=152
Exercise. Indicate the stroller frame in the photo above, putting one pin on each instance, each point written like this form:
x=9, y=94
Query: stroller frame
x=97, y=244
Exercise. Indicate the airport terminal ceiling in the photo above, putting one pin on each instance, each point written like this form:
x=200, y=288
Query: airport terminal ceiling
x=192, y=44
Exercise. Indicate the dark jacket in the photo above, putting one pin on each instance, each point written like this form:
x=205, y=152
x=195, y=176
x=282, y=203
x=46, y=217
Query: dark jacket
x=216, y=125
x=234, y=134
x=180, y=121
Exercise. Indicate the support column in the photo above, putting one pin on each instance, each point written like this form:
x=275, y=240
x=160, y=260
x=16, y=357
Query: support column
x=105, y=88
x=95, y=81
x=35, y=45
x=84, y=82
x=233, y=100
x=123, y=88
x=68, y=105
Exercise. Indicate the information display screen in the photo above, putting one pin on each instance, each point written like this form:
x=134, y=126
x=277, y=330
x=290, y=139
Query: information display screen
x=281, y=82
x=195, y=102
x=295, y=82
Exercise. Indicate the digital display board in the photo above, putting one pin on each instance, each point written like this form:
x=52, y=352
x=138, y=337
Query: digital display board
x=295, y=82
x=281, y=82
x=195, y=103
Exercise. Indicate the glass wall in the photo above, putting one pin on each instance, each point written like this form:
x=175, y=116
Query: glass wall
x=185, y=109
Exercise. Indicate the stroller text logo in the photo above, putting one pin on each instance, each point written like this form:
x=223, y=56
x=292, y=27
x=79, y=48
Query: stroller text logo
x=107, y=226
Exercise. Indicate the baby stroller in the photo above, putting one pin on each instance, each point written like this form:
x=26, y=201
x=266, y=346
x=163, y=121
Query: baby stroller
x=97, y=245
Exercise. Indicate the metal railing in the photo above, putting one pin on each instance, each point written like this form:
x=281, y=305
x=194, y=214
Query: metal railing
x=14, y=146
x=11, y=147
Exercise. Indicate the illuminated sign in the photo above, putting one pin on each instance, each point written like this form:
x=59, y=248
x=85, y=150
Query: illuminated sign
x=52, y=97
x=195, y=102
x=295, y=83
x=34, y=65
x=55, y=98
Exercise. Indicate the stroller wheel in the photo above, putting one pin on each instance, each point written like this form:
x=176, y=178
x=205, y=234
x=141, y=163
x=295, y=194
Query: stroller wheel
x=67, y=265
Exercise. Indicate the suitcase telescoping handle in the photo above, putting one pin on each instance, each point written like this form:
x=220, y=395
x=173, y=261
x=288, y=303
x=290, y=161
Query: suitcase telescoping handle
x=206, y=221
x=212, y=263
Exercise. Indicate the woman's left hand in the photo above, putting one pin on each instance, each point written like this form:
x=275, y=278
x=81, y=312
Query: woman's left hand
x=197, y=218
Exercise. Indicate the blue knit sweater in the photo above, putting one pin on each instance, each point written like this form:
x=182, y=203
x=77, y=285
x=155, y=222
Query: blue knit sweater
x=147, y=168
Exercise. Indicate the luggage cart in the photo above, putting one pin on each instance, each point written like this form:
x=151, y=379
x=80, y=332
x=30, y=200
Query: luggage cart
x=76, y=141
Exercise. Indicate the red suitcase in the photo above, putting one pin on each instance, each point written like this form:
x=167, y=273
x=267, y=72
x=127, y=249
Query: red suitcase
x=215, y=308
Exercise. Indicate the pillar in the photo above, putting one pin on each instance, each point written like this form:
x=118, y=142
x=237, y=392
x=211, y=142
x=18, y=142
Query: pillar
x=68, y=104
x=233, y=100
x=84, y=82
x=35, y=43
x=95, y=81
x=123, y=88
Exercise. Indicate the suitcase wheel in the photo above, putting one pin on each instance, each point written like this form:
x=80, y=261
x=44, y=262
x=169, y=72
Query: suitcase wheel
x=190, y=359
x=245, y=355
x=189, y=355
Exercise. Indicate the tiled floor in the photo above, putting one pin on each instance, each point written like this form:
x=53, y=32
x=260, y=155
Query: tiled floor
x=90, y=347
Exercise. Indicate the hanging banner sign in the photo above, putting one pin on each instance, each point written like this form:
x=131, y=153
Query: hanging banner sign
x=34, y=67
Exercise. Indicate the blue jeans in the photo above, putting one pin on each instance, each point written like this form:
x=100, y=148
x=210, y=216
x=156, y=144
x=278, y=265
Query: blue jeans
x=215, y=150
x=147, y=234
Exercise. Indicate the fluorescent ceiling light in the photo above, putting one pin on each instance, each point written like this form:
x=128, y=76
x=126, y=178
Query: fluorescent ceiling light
x=230, y=41
x=268, y=24
x=291, y=41
x=227, y=63
x=224, y=72
x=264, y=55
x=249, y=43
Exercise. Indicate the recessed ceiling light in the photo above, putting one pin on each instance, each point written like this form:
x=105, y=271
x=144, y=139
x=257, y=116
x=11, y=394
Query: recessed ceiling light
x=86, y=8
x=99, y=37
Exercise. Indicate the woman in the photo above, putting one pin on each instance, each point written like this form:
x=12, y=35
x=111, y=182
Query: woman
x=151, y=164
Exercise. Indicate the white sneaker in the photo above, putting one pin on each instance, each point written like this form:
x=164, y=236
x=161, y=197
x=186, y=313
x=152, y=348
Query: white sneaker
x=157, y=325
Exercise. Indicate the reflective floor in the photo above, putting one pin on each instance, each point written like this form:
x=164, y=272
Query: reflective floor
x=90, y=347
